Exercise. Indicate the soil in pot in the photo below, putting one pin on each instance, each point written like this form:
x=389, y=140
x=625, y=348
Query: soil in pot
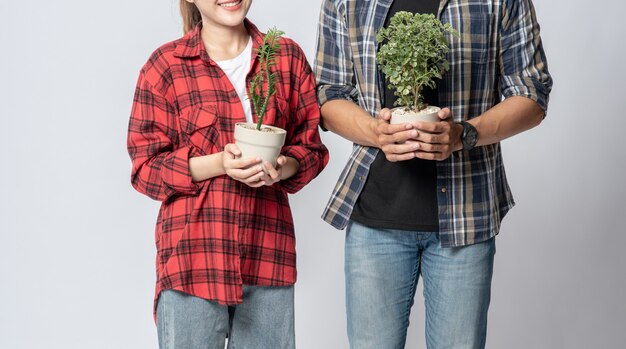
x=402, y=115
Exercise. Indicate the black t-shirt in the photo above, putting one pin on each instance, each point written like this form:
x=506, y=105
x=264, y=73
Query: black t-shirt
x=401, y=195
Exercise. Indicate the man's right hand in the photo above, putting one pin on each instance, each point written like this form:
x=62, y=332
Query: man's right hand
x=395, y=140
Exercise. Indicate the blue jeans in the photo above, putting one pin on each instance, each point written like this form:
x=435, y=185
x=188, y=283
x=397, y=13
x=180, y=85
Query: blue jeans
x=265, y=319
x=382, y=269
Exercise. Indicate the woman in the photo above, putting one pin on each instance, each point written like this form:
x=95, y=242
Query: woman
x=225, y=238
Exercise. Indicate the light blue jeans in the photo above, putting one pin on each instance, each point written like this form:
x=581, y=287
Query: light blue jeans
x=382, y=269
x=265, y=320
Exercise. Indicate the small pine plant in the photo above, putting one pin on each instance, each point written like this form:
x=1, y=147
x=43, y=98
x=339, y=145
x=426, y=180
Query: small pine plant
x=266, y=54
x=412, y=55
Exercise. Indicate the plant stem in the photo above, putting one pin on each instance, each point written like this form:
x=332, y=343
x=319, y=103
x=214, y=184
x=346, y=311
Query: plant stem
x=269, y=90
x=266, y=55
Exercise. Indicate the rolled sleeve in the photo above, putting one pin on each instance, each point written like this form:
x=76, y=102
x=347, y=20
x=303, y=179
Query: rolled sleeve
x=176, y=174
x=333, y=63
x=311, y=160
x=304, y=142
x=159, y=170
x=327, y=93
x=523, y=64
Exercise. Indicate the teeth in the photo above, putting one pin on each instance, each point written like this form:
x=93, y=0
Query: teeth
x=231, y=4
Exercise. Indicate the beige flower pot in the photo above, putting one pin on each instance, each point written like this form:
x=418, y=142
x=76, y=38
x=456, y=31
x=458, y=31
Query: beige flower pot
x=400, y=115
x=265, y=143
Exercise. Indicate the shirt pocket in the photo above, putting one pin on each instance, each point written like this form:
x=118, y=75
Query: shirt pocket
x=278, y=113
x=200, y=128
x=475, y=38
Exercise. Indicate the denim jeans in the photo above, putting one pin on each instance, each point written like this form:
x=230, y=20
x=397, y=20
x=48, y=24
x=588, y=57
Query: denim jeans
x=382, y=270
x=265, y=319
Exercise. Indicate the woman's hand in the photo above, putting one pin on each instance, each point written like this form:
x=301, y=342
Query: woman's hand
x=247, y=171
x=274, y=174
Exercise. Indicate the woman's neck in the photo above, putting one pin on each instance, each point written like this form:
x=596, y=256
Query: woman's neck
x=223, y=43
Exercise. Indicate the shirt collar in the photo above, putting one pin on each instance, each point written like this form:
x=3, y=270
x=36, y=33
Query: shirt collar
x=191, y=45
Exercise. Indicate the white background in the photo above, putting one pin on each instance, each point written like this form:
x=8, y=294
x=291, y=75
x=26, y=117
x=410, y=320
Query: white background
x=76, y=242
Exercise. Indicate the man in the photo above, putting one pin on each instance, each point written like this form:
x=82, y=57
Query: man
x=426, y=199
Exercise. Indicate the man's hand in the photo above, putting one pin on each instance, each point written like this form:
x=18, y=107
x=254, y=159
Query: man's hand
x=395, y=140
x=437, y=140
x=247, y=171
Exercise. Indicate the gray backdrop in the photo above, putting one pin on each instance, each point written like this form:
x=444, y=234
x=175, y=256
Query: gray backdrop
x=76, y=242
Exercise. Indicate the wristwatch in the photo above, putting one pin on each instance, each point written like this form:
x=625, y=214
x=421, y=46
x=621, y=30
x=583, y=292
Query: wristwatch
x=469, y=137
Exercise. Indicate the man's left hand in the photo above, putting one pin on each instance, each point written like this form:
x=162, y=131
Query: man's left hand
x=438, y=139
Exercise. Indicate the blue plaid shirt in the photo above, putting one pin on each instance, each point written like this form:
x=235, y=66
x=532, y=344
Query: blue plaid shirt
x=498, y=54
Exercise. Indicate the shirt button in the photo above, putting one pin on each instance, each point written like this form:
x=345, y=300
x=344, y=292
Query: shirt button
x=444, y=189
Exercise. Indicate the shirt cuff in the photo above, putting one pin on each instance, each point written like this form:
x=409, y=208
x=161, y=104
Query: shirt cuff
x=527, y=87
x=327, y=93
x=176, y=174
x=310, y=165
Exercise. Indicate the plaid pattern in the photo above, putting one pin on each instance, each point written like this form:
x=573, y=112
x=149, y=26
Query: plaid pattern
x=498, y=54
x=214, y=236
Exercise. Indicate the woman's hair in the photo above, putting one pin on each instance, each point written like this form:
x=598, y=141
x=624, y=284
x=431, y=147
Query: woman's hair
x=191, y=15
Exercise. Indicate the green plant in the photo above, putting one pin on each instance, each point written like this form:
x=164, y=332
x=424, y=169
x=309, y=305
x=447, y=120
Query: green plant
x=412, y=54
x=266, y=55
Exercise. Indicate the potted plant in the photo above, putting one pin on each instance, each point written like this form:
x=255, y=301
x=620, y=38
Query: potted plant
x=412, y=55
x=258, y=140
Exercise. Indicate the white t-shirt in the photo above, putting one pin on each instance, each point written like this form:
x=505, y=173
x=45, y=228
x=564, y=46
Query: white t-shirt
x=237, y=69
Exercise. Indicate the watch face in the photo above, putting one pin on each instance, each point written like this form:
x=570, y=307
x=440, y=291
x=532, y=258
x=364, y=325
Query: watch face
x=470, y=136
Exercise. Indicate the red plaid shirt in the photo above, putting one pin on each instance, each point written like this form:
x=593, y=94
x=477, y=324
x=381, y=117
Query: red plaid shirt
x=214, y=236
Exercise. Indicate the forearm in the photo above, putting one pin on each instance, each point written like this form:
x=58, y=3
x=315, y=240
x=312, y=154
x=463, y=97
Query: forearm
x=508, y=118
x=350, y=121
x=207, y=166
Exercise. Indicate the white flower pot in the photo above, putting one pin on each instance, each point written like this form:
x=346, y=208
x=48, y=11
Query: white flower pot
x=265, y=143
x=400, y=115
